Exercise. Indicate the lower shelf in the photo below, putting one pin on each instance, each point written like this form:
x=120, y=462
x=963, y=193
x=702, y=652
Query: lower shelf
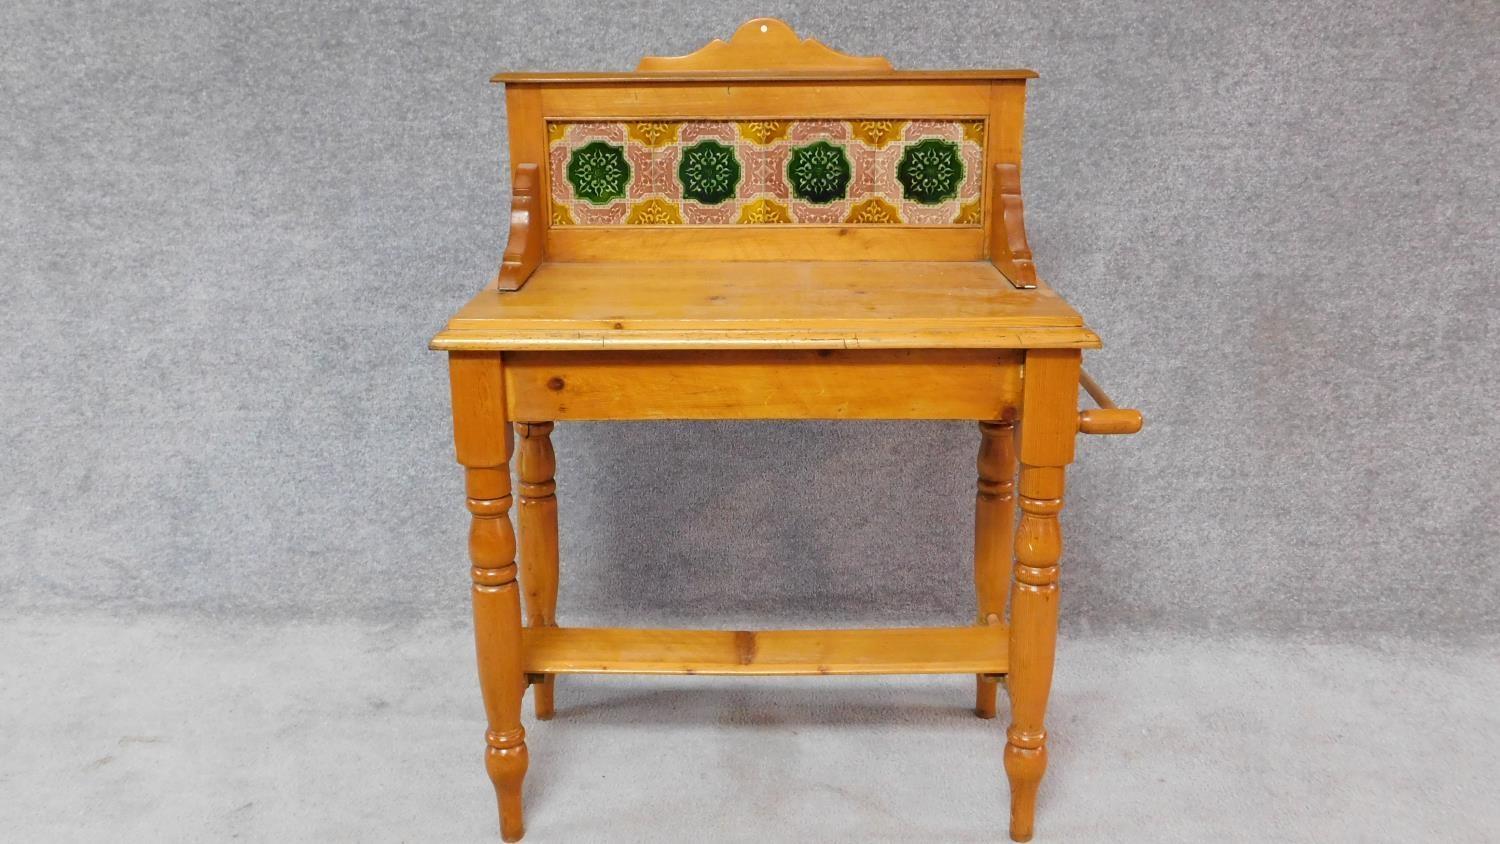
x=918, y=650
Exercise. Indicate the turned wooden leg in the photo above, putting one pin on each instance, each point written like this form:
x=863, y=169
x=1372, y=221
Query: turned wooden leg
x=536, y=466
x=994, y=519
x=1033, y=640
x=1048, y=424
x=484, y=445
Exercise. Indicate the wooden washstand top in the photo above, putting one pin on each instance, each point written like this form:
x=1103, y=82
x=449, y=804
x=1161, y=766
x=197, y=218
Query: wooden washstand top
x=767, y=304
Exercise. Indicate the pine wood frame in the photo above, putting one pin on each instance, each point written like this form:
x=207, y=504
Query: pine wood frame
x=1016, y=372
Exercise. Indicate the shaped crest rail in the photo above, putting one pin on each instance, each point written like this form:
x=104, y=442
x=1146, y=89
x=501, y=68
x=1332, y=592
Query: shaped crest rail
x=764, y=44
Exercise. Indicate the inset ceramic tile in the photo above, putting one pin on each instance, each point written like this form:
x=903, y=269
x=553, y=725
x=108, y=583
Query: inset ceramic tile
x=753, y=172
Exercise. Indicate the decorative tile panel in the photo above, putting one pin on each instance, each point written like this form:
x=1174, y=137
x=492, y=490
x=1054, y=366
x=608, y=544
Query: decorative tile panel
x=829, y=172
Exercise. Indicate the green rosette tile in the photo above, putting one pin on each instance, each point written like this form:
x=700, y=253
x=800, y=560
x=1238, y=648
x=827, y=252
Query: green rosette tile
x=819, y=172
x=710, y=172
x=930, y=171
x=598, y=172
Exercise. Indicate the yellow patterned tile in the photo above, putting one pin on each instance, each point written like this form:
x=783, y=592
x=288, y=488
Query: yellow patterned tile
x=873, y=210
x=764, y=132
x=556, y=132
x=765, y=211
x=653, y=134
x=561, y=215
x=877, y=133
x=970, y=213
x=974, y=131
x=654, y=212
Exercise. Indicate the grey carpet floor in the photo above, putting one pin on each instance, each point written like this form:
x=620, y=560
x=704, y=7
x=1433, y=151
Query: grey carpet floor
x=173, y=729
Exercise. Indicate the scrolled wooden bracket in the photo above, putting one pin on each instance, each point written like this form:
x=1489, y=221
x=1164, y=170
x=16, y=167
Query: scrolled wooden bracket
x=1107, y=418
x=764, y=44
x=523, y=251
x=1009, y=251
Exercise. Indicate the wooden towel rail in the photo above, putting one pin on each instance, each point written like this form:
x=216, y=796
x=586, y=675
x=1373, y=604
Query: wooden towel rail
x=1108, y=418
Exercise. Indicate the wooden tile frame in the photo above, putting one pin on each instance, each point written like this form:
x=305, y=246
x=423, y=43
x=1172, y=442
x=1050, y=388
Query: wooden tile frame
x=1000, y=103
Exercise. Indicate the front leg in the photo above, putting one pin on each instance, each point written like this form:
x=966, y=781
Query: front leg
x=1048, y=425
x=484, y=446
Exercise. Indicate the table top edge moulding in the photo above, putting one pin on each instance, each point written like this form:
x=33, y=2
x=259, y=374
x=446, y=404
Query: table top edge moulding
x=767, y=228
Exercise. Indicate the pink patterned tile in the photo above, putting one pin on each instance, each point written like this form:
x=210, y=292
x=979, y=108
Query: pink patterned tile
x=917, y=214
x=949, y=130
x=562, y=192
x=833, y=212
x=693, y=132
x=812, y=130
x=696, y=213
x=612, y=214
x=654, y=172
x=973, y=157
x=765, y=170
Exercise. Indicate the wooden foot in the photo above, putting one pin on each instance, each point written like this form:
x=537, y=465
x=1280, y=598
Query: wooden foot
x=536, y=468
x=484, y=447
x=994, y=519
x=505, y=759
x=1050, y=407
x=1024, y=767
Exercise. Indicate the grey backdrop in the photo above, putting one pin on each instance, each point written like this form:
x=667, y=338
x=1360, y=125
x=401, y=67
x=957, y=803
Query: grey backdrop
x=230, y=229
x=233, y=592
